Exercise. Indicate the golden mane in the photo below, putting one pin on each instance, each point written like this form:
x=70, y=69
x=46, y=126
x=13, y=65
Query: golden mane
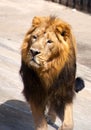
x=64, y=35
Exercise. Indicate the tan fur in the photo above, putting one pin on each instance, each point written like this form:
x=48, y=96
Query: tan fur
x=68, y=118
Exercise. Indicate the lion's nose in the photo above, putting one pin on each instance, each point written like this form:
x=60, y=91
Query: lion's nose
x=34, y=52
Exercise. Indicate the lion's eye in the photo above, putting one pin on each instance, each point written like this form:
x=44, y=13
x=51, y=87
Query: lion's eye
x=34, y=37
x=63, y=33
x=49, y=41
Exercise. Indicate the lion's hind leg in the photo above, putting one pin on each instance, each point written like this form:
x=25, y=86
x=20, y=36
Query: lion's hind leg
x=68, y=117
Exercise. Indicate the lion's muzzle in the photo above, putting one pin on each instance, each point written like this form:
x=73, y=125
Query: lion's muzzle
x=34, y=52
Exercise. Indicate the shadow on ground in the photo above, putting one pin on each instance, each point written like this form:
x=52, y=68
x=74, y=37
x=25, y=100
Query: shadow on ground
x=15, y=115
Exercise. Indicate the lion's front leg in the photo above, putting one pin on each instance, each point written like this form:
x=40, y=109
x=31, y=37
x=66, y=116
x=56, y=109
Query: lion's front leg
x=68, y=118
x=39, y=118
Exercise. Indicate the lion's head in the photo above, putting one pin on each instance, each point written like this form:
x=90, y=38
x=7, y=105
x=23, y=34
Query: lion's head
x=48, y=44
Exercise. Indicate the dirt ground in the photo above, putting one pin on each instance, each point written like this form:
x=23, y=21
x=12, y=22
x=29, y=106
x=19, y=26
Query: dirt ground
x=15, y=19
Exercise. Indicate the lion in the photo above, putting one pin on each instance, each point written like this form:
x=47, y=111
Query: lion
x=48, y=71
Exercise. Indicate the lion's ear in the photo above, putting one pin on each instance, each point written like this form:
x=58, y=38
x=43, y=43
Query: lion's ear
x=64, y=30
x=36, y=21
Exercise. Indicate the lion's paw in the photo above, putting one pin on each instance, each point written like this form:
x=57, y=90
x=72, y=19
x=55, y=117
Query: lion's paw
x=66, y=127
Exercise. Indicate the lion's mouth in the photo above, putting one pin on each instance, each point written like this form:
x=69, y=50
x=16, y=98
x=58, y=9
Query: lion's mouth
x=34, y=62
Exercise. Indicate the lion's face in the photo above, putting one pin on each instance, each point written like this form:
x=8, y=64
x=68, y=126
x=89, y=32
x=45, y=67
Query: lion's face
x=46, y=43
x=42, y=47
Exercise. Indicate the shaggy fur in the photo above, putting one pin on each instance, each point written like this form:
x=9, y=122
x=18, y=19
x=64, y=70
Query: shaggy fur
x=48, y=68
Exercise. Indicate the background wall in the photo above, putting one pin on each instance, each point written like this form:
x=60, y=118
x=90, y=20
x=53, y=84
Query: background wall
x=83, y=5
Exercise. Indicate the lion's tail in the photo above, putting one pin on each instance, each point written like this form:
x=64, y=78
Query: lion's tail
x=79, y=84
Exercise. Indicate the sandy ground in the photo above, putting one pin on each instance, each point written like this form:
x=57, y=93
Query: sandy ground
x=15, y=19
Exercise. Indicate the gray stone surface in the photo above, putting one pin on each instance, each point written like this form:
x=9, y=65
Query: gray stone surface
x=15, y=19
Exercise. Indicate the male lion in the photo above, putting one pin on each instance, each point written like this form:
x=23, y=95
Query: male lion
x=48, y=71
